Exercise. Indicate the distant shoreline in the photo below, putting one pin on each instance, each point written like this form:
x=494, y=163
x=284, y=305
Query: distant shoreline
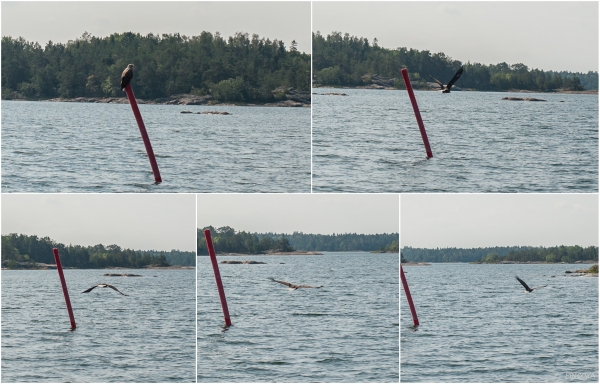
x=44, y=267
x=183, y=100
x=586, y=92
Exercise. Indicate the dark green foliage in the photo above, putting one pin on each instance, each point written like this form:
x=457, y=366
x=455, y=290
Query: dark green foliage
x=175, y=257
x=228, y=240
x=18, y=247
x=496, y=254
x=345, y=60
x=393, y=247
x=237, y=69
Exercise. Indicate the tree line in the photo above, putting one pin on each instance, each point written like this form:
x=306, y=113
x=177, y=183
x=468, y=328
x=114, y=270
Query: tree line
x=20, y=250
x=175, y=257
x=344, y=60
x=235, y=69
x=496, y=254
x=228, y=240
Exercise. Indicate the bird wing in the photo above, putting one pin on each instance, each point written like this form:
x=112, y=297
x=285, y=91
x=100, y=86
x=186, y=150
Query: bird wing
x=539, y=286
x=110, y=286
x=284, y=283
x=436, y=80
x=456, y=77
x=308, y=286
x=523, y=283
x=89, y=289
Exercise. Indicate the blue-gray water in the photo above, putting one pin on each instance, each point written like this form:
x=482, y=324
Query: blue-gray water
x=346, y=331
x=147, y=336
x=369, y=141
x=479, y=325
x=81, y=147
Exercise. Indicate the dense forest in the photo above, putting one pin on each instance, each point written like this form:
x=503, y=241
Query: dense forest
x=23, y=251
x=496, y=254
x=175, y=257
x=393, y=247
x=245, y=242
x=344, y=60
x=228, y=240
x=235, y=69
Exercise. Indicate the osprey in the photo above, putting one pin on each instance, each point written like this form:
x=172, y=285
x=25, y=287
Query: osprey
x=104, y=286
x=294, y=286
x=527, y=286
x=126, y=76
x=446, y=88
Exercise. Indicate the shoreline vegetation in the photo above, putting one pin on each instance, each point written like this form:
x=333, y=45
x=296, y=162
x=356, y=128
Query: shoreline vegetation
x=32, y=252
x=342, y=60
x=240, y=70
x=503, y=255
x=229, y=242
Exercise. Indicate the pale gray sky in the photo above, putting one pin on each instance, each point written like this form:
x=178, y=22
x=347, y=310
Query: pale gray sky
x=153, y=221
x=63, y=21
x=545, y=35
x=322, y=214
x=486, y=220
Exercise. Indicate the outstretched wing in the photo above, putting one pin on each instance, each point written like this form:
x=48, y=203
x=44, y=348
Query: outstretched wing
x=284, y=283
x=110, y=286
x=539, y=286
x=456, y=77
x=308, y=286
x=437, y=81
x=523, y=283
x=89, y=289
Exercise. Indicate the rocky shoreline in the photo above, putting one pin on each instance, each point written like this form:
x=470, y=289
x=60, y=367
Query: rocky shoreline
x=287, y=97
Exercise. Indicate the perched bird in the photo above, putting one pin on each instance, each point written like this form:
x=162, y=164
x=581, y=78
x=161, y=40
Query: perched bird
x=294, y=286
x=527, y=287
x=126, y=76
x=446, y=88
x=104, y=286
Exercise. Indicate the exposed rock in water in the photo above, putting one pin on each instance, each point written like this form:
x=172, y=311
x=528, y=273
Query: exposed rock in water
x=335, y=94
x=122, y=274
x=241, y=262
x=522, y=99
x=214, y=113
x=186, y=112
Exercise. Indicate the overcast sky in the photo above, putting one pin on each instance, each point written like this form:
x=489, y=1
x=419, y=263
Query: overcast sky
x=486, y=220
x=63, y=21
x=545, y=35
x=322, y=214
x=161, y=222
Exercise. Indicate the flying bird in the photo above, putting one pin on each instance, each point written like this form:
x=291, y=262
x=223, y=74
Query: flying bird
x=126, y=76
x=104, y=286
x=294, y=286
x=527, y=286
x=446, y=88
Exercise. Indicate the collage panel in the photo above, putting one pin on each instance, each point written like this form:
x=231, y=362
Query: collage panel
x=389, y=114
x=156, y=97
x=499, y=288
x=309, y=284
x=98, y=288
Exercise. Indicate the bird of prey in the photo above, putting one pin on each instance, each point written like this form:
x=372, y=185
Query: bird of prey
x=527, y=286
x=104, y=286
x=294, y=286
x=126, y=76
x=446, y=88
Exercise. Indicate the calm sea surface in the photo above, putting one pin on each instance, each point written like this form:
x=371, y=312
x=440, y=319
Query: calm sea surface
x=479, y=325
x=82, y=147
x=369, y=141
x=147, y=336
x=346, y=331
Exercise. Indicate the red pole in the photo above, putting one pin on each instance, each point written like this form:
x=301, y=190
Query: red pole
x=409, y=297
x=64, y=287
x=213, y=259
x=417, y=113
x=140, y=122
